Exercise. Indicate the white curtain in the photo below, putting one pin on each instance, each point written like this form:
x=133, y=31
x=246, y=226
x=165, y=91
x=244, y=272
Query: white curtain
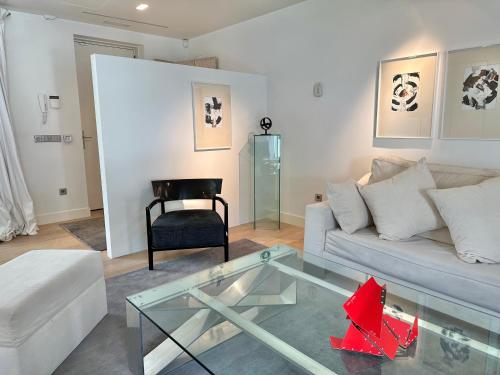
x=17, y=215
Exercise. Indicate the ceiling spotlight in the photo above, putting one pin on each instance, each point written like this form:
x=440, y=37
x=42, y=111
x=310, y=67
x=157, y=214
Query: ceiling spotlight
x=142, y=7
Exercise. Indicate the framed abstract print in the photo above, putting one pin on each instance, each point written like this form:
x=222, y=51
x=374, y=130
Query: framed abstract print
x=212, y=116
x=471, y=107
x=405, y=97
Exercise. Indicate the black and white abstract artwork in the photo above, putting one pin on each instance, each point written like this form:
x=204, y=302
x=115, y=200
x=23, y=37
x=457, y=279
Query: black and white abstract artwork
x=405, y=89
x=480, y=87
x=213, y=112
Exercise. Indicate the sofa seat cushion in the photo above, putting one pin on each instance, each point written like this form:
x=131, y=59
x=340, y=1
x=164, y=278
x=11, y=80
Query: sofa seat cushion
x=188, y=228
x=37, y=285
x=426, y=263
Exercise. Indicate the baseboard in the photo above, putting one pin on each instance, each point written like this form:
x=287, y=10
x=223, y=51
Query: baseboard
x=292, y=219
x=55, y=217
x=287, y=218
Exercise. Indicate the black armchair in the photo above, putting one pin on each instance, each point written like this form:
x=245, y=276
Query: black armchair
x=190, y=228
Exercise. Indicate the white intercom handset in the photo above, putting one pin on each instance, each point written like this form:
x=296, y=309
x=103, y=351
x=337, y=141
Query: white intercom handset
x=44, y=106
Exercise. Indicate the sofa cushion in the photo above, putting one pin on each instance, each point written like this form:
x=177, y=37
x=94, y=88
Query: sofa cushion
x=188, y=228
x=37, y=285
x=422, y=262
x=472, y=214
x=348, y=206
x=440, y=235
x=445, y=176
x=386, y=167
x=400, y=205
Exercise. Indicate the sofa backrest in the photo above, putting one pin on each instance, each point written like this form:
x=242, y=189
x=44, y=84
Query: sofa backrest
x=446, y=176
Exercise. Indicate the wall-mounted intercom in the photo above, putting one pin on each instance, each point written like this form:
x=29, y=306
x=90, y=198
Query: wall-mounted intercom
x=55, y=102
x=44, y=106
x=44, y=101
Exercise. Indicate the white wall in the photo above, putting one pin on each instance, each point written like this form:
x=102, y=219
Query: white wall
x=145, y=126
x=41, y=59
x=339, y=43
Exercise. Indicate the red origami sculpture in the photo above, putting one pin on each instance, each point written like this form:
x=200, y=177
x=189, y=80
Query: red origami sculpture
x=371, y=331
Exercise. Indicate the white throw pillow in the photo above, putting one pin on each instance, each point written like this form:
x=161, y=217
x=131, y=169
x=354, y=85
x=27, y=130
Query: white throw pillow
x=386, y=167
x=472, y=214
x=348, y=206
x=400, y=205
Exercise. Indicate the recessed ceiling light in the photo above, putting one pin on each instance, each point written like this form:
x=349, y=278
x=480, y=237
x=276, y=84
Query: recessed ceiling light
x=142, y=7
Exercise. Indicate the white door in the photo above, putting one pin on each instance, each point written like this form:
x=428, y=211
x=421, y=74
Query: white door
x=83, y=51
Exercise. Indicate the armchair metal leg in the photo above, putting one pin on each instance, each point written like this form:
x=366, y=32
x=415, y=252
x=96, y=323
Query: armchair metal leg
x=226, y=251
x=150, y=259
x=149, y=231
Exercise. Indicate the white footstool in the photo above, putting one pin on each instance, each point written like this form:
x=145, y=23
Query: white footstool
x=49, y=301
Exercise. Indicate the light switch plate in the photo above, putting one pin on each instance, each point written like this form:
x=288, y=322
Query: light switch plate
x=47, y=138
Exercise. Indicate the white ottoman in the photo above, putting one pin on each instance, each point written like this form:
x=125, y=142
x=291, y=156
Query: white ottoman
x=49, y=301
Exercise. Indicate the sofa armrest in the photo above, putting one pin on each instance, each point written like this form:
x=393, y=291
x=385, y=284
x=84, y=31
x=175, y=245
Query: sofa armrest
x=319, y=220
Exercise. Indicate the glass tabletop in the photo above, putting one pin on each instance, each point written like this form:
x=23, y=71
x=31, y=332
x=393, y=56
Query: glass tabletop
x=273, y=312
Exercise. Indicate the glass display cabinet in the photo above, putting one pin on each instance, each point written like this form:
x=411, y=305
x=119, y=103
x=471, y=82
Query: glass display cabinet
x=266, y=180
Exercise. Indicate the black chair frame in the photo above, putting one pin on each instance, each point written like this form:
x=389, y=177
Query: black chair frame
x=166, y=195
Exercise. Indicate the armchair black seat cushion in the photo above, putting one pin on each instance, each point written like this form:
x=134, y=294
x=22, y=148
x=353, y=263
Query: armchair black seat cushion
x=188, y=228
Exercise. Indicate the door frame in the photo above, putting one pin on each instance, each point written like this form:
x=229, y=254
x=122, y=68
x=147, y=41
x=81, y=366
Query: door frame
x=138, y=52
x=138, y=49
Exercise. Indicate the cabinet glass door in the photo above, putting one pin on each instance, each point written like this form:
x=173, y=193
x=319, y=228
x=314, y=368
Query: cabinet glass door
x=267, y=158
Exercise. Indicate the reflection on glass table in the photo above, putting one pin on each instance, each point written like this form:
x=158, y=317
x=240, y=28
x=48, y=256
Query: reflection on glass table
x=271, y=312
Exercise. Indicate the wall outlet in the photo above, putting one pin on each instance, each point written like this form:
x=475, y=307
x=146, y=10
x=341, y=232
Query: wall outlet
x=318, y=197
x=63, y=191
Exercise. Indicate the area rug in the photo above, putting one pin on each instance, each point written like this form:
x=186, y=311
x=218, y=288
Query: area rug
x=90, y=231
x=104, y=350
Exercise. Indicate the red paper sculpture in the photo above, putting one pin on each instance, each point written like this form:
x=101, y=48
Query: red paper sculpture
x=371, y=331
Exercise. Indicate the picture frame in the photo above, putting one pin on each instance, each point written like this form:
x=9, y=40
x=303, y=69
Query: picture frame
x=471, y=107
x=212, y=116
x=406, y=90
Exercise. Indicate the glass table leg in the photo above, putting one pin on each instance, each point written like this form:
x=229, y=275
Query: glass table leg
x=135, y=352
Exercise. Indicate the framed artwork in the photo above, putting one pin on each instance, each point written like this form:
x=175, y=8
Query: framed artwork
x=212, y=116
x=471, y=108
x=405, y=97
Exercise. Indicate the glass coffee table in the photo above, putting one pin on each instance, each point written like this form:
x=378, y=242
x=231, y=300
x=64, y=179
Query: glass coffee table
x=272, y=312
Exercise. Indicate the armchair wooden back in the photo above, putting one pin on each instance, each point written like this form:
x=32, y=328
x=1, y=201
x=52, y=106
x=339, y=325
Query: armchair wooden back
x=189, y=188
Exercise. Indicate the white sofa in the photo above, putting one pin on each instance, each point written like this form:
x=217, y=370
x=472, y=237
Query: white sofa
x=422, y=263
x=49, y=301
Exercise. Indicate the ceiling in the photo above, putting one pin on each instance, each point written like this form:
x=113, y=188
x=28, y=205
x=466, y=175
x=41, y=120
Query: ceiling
x=172, y=18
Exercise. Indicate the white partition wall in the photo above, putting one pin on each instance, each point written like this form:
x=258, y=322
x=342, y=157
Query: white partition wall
x=145, y=129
